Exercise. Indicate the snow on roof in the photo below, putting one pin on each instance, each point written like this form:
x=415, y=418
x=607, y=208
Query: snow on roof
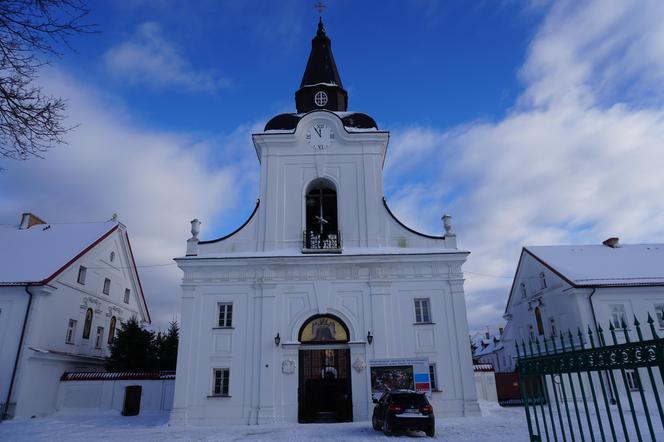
x=600, y=265
x=483, y=367
x=37, y=253
x=115, y=376
x=347, y=251
x=491, y=345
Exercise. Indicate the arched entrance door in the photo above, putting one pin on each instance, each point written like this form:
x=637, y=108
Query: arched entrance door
x=324, y=380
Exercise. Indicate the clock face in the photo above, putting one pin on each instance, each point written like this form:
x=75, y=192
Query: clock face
x=319, y=136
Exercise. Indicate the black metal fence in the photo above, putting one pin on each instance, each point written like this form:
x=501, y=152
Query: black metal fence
x=585, y=386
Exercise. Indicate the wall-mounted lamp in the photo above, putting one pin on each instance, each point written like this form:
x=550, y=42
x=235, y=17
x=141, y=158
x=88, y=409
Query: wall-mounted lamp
x=277, y=340
x=369, y=338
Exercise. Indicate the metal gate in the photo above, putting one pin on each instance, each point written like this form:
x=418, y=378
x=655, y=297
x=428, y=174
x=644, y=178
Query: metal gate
x=585, y=386
x=325, y=386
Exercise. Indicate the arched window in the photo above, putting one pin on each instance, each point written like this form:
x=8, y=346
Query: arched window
x=322, y=227
x=540, y=324
x=522, y=286
x=111, y=330
x=88, y=324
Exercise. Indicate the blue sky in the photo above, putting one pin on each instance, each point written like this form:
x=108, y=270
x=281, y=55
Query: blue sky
x=423, y=63
x=530, y=122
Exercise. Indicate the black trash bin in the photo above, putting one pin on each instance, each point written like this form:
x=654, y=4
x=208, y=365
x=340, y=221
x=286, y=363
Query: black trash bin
x=132, y=400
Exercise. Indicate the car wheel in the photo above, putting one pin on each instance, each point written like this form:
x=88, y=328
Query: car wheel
x=431, y=431
x=374, y=423
x=386, y=428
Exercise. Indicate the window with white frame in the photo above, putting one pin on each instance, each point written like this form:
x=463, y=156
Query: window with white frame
x=71, y=331
x=225, y=316
x=81, y=275
x=432, y=377
x=422, y=310
x=542, y=280
x=632, y=380
x=659, y=312
x=220, y=381
x=618, y=315
x=126, y=296
x=107, y=286
x=100, y=337
x=522, y=286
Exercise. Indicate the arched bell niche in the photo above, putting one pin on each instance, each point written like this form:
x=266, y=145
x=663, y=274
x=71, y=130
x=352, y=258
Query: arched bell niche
x=321, y=217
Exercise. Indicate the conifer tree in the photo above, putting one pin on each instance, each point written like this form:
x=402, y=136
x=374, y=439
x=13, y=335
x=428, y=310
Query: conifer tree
x=168, y=347
x=133, y=349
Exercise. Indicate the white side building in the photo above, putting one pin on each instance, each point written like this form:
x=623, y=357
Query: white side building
x=281, y=318
x=64, y=289
x=562, y=288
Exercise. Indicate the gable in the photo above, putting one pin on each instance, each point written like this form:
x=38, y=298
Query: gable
x=120, y=271
x=528, y=272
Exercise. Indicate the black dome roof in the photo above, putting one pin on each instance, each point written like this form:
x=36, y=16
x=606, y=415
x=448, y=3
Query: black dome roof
x=356, y=120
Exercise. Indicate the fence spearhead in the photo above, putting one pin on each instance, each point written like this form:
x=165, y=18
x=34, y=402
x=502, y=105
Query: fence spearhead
x=570, y=337
x=580, y=335
x=650, y=320
x=651, y=323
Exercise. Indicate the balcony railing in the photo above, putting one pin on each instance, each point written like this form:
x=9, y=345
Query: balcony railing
x=317, y=242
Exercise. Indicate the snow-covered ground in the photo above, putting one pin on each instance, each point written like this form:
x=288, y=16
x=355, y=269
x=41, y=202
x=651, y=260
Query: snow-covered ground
x=496, y=424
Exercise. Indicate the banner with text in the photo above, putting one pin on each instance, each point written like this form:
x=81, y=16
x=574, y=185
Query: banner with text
x=399, y=374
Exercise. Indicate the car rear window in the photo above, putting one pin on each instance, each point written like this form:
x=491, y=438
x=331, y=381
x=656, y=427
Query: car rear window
x=409, y=400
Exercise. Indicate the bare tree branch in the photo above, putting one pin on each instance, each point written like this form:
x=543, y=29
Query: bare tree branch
x=31, y=122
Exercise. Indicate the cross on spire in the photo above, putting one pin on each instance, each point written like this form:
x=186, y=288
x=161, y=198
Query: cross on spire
x=320, y=6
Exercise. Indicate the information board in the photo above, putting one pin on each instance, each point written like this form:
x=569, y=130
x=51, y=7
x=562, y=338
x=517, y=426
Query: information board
x=399, y=374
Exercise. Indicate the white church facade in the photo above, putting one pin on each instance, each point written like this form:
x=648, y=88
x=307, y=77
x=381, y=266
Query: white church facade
x=282, y=318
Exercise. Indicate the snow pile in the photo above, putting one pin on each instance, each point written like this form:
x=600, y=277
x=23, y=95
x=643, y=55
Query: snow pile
x=496, y=425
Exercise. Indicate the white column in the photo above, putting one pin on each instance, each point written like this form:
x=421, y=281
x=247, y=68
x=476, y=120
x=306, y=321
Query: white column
x=265, y=296
x=180, y=399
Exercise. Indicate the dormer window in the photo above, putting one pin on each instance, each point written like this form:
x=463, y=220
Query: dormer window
x=542, y=277
x=81, y=275
x=321, y=232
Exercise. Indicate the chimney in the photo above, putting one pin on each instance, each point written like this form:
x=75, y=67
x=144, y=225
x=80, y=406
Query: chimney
x=500, y=331
x=486, y=333
x=28, y=220
x=612, y=242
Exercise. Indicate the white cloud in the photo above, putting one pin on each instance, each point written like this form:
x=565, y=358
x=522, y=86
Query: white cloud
x=156, y=182
x=150, y=59
x=575, y=161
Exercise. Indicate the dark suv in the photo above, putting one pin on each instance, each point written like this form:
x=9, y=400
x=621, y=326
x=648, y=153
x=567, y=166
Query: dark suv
x=403, y=410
